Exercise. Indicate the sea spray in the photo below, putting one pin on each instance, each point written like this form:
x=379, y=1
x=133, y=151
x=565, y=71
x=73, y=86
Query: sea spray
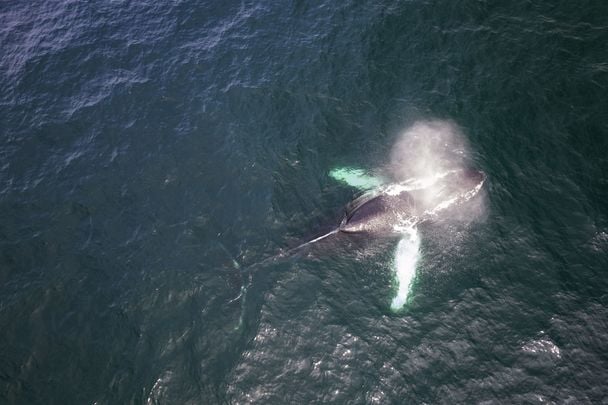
x=406, y=259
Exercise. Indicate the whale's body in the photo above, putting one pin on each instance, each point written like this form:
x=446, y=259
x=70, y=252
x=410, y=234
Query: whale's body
x=378, y=214
x=385, y=211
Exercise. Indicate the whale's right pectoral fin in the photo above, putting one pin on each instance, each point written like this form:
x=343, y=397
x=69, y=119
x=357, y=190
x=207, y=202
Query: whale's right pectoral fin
x=357, y=178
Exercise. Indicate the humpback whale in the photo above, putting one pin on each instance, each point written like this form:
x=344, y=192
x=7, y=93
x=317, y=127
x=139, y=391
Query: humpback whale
x=429, y=178
x=394, y=210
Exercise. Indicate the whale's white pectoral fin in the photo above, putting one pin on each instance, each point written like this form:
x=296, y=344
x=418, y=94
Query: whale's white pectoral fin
x=357, y=178
x=405, y=262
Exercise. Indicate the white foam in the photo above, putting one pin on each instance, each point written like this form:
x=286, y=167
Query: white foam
x=542, y=346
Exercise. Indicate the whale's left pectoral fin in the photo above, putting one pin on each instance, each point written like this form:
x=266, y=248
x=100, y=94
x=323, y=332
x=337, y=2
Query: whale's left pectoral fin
x=405, y=262
x=357, y=178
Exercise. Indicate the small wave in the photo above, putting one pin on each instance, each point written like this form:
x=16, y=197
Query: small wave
x=544, y=345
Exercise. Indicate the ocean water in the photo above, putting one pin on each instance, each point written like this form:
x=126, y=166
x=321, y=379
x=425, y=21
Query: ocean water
x=154, y=156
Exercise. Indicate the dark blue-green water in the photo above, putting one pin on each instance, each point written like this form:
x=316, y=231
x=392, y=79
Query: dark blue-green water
x=150, y=152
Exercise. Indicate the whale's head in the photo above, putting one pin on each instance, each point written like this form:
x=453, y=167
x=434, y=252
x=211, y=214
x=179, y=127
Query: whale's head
x=471, y=178
x=453, y=189
x=463, y=184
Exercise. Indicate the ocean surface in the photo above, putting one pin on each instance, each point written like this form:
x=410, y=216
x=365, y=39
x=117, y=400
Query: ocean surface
x=157, y=157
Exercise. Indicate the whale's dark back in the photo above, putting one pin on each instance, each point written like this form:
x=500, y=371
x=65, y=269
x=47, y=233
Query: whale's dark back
x=376, y=213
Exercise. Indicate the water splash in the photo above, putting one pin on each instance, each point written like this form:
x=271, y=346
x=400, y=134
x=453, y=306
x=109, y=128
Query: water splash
x=406, y=259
